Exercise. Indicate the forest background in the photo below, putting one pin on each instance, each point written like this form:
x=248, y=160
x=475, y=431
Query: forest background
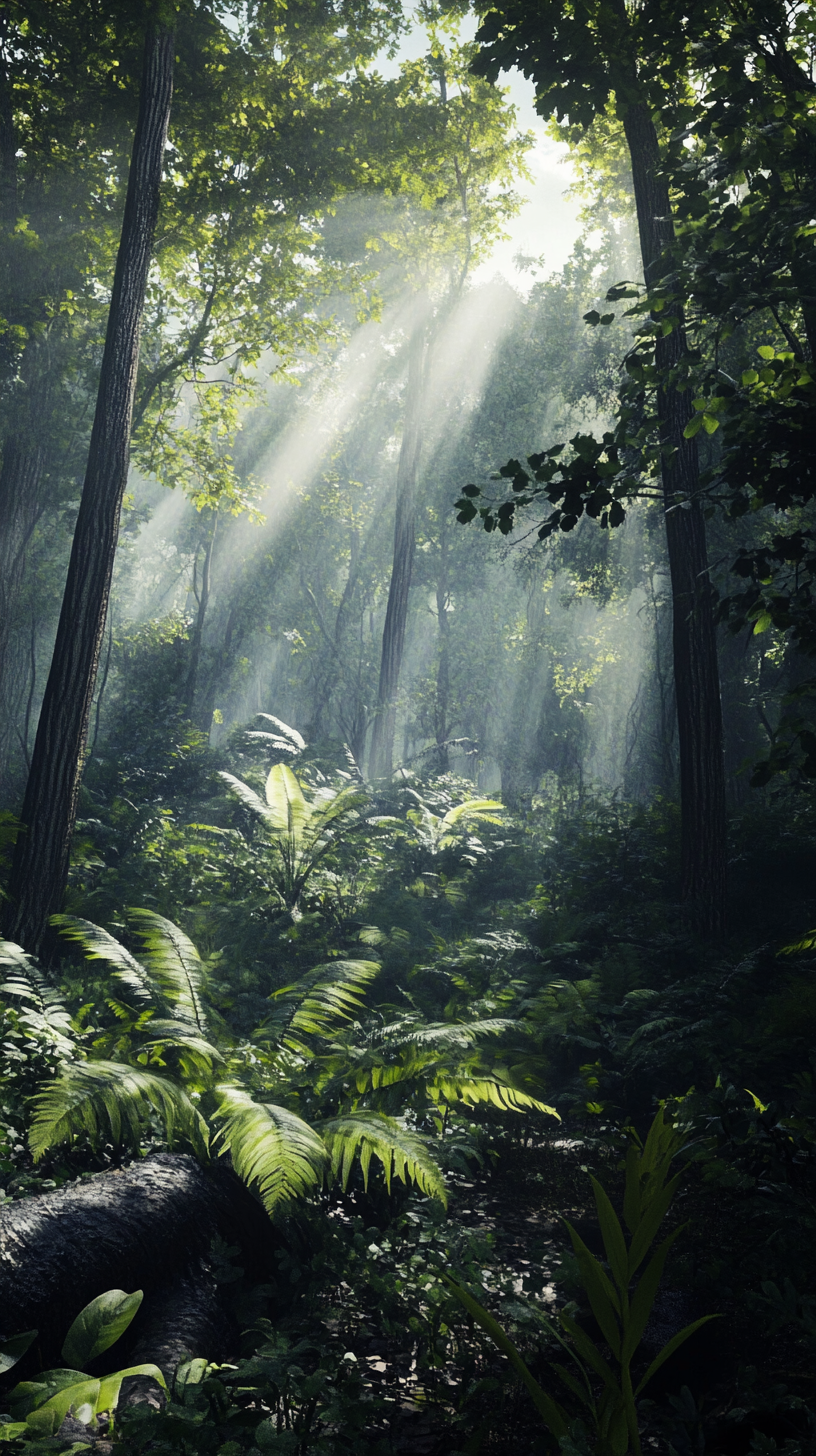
x=432, y=830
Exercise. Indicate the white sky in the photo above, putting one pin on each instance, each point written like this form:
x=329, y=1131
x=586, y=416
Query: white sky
x=547, y=226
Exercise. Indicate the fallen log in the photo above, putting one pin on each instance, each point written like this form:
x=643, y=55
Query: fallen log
x=138, y=1227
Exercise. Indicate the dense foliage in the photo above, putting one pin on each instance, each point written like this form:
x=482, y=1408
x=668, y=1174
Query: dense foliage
x=379, y=907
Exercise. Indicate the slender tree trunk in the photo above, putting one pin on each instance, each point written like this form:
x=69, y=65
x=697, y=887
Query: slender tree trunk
x=442, y=705
x=49, y=809
x=202, y=596
x=23, y=450
x=20, y=508
x=696, y=668
x=396, y=616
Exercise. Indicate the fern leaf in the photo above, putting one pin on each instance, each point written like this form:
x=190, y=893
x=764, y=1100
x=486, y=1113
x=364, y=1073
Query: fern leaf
x=98, y=945
x=248, y=797
x=473, y=1090
x=365, y=1135
x=178, y=1034
x=291, y=734
x=335, y=995
x=487, y=809
x=454, y=1034
x=288, y=810
x=272, y=1149
x=174, y=964
x=112, y=1098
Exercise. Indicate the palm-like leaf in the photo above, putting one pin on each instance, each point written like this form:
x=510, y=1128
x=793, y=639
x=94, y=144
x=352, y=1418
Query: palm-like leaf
x=303, y=830
x=372, y=1134
x=326, y=996
x=335, y=995
x=289, y=811
x=173, y=963
x=271, y=1148
x=99, y=945
x=113, y=1098
x=473, y=1090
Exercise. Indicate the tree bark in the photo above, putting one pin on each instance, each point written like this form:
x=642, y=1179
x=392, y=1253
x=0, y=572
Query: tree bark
x=442, y=703
x=202, y=596
x=135, y=1228
x=382, y=741
x=696, y=668
x=40, y=868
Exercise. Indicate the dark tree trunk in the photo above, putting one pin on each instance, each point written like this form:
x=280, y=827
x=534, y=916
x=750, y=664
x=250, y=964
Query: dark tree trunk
x=396, y=616
x=696, y=668
x=49, y=809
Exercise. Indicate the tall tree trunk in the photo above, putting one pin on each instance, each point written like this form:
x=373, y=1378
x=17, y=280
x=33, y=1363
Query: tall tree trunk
x=396, y=616
x=23, y=449
x=20, y=509
x=202, y=596
x=442, y=703
x=40, y=867
x=696, y=668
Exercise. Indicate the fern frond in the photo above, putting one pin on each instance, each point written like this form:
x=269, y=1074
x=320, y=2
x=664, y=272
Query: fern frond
x=248, y=797
x=335, y=995
x=179, y=1035
x=473, y=1090
x=487, y=809
x=272, y=1149
x=294, y=738
x=13, y=955
x=113, y=1098
x=98, y=945
x=453, y=1034
x=174, y=964
x=365, y=1135
x=288, y=810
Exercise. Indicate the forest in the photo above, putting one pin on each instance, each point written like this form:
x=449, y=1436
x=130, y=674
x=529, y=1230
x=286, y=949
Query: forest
x=407, y=728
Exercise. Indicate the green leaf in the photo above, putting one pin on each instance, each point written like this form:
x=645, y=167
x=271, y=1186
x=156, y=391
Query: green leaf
x=602, y=1296
x=693, y=427
x=674, y=1344
x=369, y=1134
x=112, y=1097
x=588, y=1352
x=710, y=424
x=272, y=1148
x=29, y=1394
x=766, y=352
x=593, y=318
x=762, y=623
x=612, y=1234
x=13, y=1349
x=111, y=1385
x=82, y=1398
x=644, y=1297
x=650, y=1222
x=553, y=1415
x=99, y=1325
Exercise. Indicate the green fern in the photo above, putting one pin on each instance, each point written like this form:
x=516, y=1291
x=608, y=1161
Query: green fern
x=302, y=830
x=98, y=945
x=174, y=965
x=272, y=1149
x=402, y=1153
x=111, y=1098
